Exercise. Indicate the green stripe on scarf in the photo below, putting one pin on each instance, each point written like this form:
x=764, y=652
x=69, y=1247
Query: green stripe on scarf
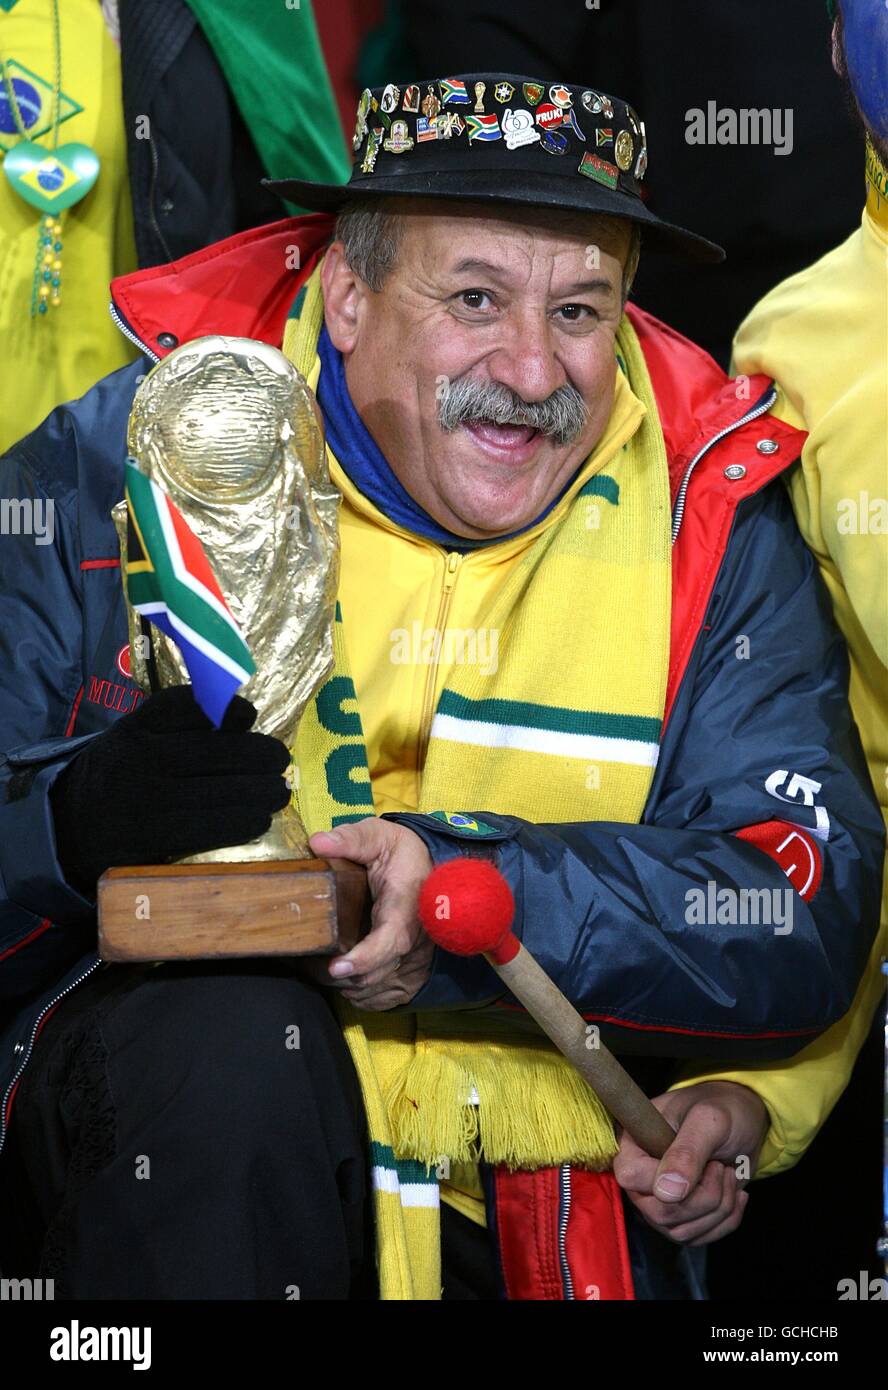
x=532, y=716
x=602, y=486
x=564, y=729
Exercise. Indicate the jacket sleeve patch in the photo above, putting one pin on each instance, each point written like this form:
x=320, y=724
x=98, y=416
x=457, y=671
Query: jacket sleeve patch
x=797, y=853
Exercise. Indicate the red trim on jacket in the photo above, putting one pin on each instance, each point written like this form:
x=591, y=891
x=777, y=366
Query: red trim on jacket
x=69, y=729
x=32, y=936
x=528, y=1207
x=527, y=1230
x=243, y=286
x=48, y=1015
x=666, y=1028
x=794, y=849
x=596, y=1243
x=696, y=400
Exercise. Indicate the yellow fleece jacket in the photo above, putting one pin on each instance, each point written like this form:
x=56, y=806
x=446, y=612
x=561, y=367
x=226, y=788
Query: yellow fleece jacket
x=823, y=336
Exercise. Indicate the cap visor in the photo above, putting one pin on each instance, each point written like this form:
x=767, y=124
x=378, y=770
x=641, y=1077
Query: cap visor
x=535, y=190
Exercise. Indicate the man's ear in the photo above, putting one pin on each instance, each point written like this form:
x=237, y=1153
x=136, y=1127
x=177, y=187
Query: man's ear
x=343, y=295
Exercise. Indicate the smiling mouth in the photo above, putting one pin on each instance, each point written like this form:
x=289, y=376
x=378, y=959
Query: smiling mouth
x=506, y=441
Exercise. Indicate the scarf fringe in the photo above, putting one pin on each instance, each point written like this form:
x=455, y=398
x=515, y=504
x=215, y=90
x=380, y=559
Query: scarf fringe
x=540, y=1110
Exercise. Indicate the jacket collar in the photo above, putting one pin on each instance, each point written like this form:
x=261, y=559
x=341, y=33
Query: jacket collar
x=243, y=286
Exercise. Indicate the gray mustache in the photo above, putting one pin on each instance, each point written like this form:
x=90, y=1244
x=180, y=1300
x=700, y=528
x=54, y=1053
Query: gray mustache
x=563, y=415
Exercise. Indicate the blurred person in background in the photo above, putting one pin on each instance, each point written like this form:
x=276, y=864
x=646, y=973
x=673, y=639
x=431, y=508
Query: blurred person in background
x=823, y=336
x=133, y=132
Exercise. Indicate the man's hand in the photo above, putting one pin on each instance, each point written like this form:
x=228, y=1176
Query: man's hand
x=692, y=1194
x=189, y=787
x=394, y=960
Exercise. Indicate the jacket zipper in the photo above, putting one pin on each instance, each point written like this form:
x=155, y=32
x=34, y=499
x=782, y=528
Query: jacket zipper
x=564, y=1201
x=151, y=208
x=761, y=409
x=35, y=1027
x=453, y=562
x=128, y=332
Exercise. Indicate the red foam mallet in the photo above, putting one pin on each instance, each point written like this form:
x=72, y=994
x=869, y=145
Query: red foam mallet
x=466, y=906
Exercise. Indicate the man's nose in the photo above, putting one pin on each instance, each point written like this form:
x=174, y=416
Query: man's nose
x=524, y=358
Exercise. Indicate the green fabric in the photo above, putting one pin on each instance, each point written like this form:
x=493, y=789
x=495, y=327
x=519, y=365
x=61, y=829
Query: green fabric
x=271, y=56
x=385, y=56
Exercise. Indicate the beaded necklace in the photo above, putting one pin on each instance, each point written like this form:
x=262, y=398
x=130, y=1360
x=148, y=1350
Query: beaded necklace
x=50, y=182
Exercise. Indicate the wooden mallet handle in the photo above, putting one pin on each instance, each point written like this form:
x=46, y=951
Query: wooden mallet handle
x=478, y=922
x=597, y=1065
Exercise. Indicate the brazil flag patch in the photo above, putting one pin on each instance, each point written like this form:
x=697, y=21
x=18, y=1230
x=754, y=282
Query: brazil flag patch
x=467, y=824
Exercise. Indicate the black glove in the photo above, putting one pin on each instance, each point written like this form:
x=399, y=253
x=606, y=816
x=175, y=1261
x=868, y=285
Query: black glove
x=163, y=783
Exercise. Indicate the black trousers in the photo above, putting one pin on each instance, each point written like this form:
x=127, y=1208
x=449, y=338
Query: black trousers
x=189, y=1131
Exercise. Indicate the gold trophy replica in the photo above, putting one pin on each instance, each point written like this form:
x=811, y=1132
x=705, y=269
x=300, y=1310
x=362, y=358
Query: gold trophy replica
x=231, y=433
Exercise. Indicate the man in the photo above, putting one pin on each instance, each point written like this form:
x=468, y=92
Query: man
x=577, y=633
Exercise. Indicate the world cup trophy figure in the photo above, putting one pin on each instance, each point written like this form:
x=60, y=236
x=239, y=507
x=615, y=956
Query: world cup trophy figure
x=231, y=434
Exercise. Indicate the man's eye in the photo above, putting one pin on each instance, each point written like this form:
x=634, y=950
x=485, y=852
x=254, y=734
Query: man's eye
x=574, y=313
x=472, y=298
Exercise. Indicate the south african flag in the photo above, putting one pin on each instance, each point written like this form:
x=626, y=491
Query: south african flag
x=169, y=581
x=484, y=127
x=453, y=90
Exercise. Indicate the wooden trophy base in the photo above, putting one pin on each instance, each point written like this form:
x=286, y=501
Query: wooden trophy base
x=292, y=907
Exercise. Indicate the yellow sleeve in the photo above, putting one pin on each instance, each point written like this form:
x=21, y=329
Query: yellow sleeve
x=853, y=560
x=800, y=1092
x=856, y=561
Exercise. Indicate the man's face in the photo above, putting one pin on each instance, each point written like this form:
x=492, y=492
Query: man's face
x=484, y=314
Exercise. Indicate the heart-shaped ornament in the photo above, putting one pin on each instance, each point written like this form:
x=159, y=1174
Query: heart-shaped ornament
x=51, y=180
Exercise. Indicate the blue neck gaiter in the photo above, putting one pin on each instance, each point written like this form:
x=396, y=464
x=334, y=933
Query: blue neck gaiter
x=866, y=49
x=364, y=464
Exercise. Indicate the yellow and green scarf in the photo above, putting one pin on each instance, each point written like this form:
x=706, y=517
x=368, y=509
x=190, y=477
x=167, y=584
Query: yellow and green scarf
x=567, y=729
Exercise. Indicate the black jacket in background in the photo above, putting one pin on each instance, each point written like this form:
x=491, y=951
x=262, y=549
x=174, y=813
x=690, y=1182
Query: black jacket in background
x=196, y=179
